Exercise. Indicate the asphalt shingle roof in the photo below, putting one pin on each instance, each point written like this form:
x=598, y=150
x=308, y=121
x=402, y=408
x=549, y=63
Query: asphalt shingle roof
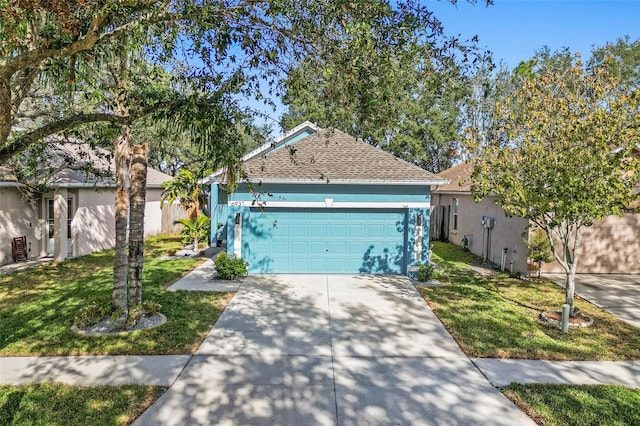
x=459, y=177
x=334, y=156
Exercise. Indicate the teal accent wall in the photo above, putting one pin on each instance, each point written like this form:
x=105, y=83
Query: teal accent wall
x=339, y=192
x=354, y=241
x=326, y=240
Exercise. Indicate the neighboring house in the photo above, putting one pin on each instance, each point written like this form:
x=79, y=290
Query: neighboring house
x=488, y=232
x=320, y=201
x=76, y=217
x=608, y=246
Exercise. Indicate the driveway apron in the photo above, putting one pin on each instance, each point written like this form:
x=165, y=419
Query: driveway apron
x=615, y=293
x=330, y=349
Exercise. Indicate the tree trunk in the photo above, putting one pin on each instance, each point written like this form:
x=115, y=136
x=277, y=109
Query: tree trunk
x=570, y=290
x=196, y=243
x=136, y=221
x=572, y=262
x=193, y=211
x=5, y=110
x=122, y=162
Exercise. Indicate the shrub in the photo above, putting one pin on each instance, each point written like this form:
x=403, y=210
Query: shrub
x=230, y=268
x=195, y=230
x=93, y=313
x=425, y=272
x=147, y=308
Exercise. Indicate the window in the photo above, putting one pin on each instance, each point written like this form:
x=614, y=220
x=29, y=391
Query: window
x=454, y=208
x=69, y=216
x=50, y=224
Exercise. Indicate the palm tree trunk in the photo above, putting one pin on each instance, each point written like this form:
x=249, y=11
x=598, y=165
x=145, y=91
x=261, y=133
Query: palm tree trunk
x=122, y=162
x=136, y=221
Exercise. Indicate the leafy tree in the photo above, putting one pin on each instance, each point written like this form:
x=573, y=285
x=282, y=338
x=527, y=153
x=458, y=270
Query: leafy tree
x=68, y=65
x=622, y=58
x=539, y=248
x=184, y=188
x=559, y=154
x=59, y=42
x=399, y=91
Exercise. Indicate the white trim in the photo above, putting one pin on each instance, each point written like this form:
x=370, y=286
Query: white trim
x=438, y=191
x=278, y=141
x=417, y=253
x=237, y=237
x=334, y=205
x=434, y=182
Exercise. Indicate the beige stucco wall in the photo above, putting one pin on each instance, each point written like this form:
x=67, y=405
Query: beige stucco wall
x=92, y=226
x=18, y=218
x=95, y=219
x=506, y=232
x=609, y=246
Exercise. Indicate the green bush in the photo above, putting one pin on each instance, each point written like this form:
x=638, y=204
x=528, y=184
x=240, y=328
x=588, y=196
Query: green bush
x=230, y=268
x=93, y=313
x=425, y=272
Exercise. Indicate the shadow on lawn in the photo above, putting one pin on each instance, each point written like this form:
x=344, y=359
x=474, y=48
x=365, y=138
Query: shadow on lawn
x=494, y=315
x=38, y=306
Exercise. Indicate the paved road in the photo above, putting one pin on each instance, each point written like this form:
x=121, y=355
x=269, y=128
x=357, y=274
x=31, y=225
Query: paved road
x=618, y=294
x=330, y=349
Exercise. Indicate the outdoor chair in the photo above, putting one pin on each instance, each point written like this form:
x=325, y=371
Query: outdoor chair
x=19, y=249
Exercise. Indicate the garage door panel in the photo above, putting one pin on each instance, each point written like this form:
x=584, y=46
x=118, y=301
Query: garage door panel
x=325, y=241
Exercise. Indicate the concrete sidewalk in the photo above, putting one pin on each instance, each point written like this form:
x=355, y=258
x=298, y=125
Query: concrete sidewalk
x=323, y=350
x=159, y=370
x=163, y=370
x=501, y=372
x=203, y=278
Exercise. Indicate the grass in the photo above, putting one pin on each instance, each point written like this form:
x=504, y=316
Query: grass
x=38, y=305
x=577, y=405
x=496, y=316
x=57, y=404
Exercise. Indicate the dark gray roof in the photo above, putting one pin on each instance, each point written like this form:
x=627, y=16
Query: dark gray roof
x=334, y=156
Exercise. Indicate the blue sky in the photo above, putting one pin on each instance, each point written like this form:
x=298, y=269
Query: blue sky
x=514, y=29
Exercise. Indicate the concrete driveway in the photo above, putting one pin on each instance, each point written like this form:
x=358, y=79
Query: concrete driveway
x=330, y=349
x=618, y=294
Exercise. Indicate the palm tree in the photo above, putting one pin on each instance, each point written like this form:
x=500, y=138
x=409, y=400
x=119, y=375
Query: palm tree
x=195, y=229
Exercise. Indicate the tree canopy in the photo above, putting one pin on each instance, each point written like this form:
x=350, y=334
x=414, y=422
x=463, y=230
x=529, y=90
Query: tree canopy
x=230, y=46
x=400, y=90
x=560, y=151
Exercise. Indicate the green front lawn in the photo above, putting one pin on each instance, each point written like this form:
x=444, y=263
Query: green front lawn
x=57, y=404
x=577, y=405
x=38, y=305
x=495, y=316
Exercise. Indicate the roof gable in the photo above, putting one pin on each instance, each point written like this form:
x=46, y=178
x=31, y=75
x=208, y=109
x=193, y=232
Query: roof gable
x=308, y=154
x=459, y=177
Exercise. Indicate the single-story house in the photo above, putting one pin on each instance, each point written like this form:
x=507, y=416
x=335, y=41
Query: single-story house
x=77, y=216
x=608, y=246
x=320, y=201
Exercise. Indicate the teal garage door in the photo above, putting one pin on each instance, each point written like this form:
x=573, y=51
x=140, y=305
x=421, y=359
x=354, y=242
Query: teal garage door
x=325, y=241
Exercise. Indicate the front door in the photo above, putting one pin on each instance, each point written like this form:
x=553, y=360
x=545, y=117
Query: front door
x=51, y=230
